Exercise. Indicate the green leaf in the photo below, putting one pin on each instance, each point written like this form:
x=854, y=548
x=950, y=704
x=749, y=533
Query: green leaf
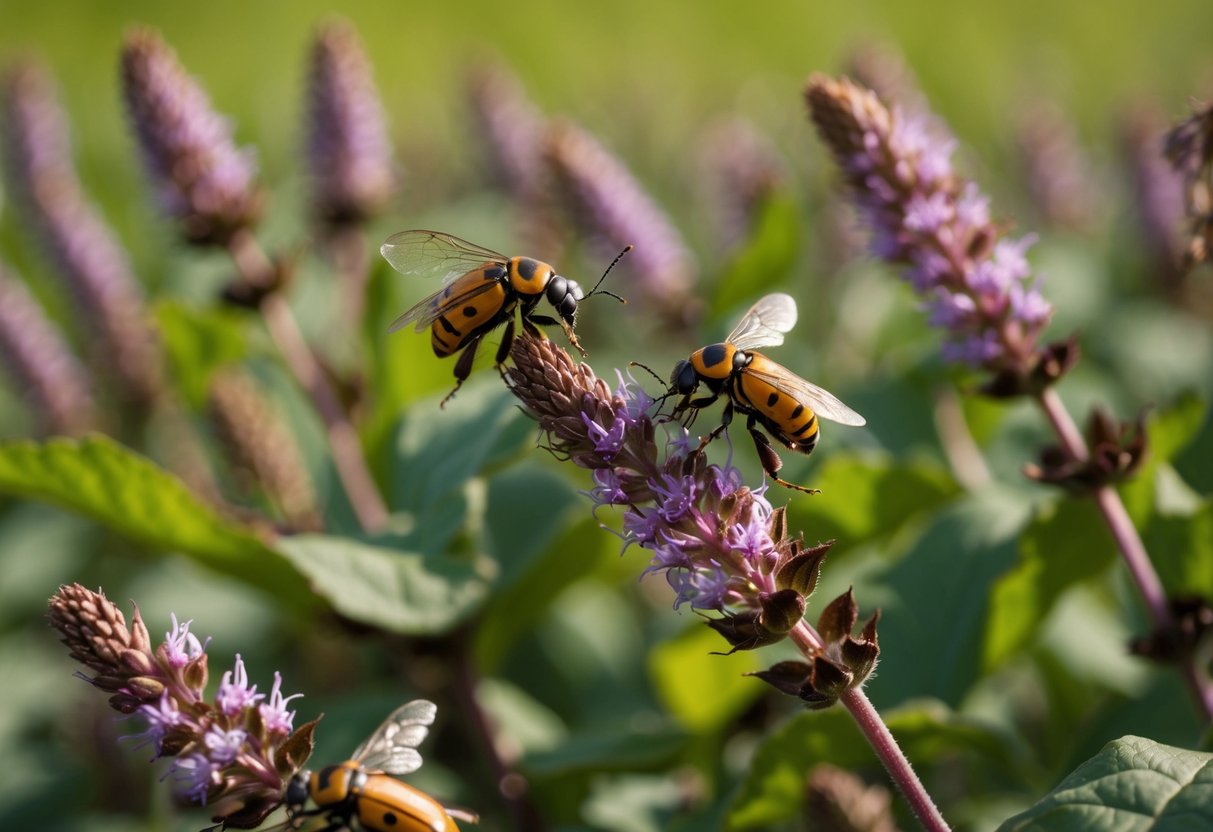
x=518, y=605
x=773, y=791
x=438, y=450
x=627, y=748
x=198, y=342
x=1066, y=544
x=1181, y=548
x=1132, y=784
x=100, y=479
x=702, y=689
x=866, y=497
x=1170, y=430
x=932, y=629
x=766, y=257
x=399, y=591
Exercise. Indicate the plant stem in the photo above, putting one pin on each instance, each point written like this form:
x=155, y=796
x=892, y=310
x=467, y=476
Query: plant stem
x=1124, y=533
x=512, y=786
x=881, y=740
x=343, y=439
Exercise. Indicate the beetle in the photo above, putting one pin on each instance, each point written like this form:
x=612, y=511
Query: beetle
x=768, y=394
x=481, y=290
x=362, y=789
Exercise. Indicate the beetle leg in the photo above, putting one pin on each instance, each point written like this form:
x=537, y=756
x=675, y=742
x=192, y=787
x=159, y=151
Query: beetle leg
x=726, y=419
x=463, y=367
x=545, y=320
x=503, y=350
x=771, y=463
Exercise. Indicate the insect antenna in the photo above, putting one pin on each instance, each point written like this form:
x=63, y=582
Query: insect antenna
x=596, y=290
x=648, y=370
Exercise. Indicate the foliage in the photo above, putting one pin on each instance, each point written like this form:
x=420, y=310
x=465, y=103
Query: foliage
x=1006, y=613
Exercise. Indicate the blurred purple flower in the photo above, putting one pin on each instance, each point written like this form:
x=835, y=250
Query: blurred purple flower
x=741, y=171
x=41, y=365
x=74, y=237
x=978, y=286
x=1189, y=148
x=613, y=208
x=348, y=150
x=201, y=178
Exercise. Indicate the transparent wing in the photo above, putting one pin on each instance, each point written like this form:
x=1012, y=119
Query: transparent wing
x=392, y=749
x=765, y=323
x=824, y=403
x=435, y=306
x=432, y=254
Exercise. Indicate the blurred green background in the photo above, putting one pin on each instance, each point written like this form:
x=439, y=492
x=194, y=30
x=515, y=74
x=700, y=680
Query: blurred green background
x=623, y=719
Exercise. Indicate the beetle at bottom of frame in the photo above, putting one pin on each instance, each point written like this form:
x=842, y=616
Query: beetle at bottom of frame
x=361, y=792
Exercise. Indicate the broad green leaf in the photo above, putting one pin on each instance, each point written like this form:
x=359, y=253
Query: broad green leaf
x=437, y=450
x=627, y=748
x=633, y=803
x=703, y=690
x=1169, y=430
x=1132, y=784
x=580, y=551
x=864, y=496
x=198, y=342
x=934, y=618
x=1181, y=548
x=100, y=479
x=399, y=591
x=928, y=733
x=1066, y=544
x=765, y=259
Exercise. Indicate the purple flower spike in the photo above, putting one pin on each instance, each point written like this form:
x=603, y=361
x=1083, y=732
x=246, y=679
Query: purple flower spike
x=348, y=150
x=41, y=365
x=979, y=288
x=237, y=755
x=200, y=176
x=721, y=545
x=81, y=249
x=610, y=205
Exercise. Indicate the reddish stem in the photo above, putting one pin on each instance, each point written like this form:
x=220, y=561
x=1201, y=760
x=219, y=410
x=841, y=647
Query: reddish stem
x=1124, y=533
x=880, y=738
x=343, y=439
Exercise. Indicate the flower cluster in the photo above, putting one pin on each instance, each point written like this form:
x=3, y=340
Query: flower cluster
x=236, y=754
x=348, y=150
x=741, y=169
x=73, y=236
x=976, y=283
x=200, y=176
x=721, y=545
x=614, y=209
x=41, y=364
x=1189, y=147
x=261, y=448
x=511, y=131
x=1057, y=171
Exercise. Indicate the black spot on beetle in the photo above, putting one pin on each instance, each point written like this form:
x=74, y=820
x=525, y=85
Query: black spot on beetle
x=713, y=354
x=796, y=413
x=771, y=399
x=469, y=311
x=390, y=819
x=527, y=267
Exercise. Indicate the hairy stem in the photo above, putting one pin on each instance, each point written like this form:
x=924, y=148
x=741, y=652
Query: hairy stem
x=1132, y=549
x=343, y=440
x=880, y=738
